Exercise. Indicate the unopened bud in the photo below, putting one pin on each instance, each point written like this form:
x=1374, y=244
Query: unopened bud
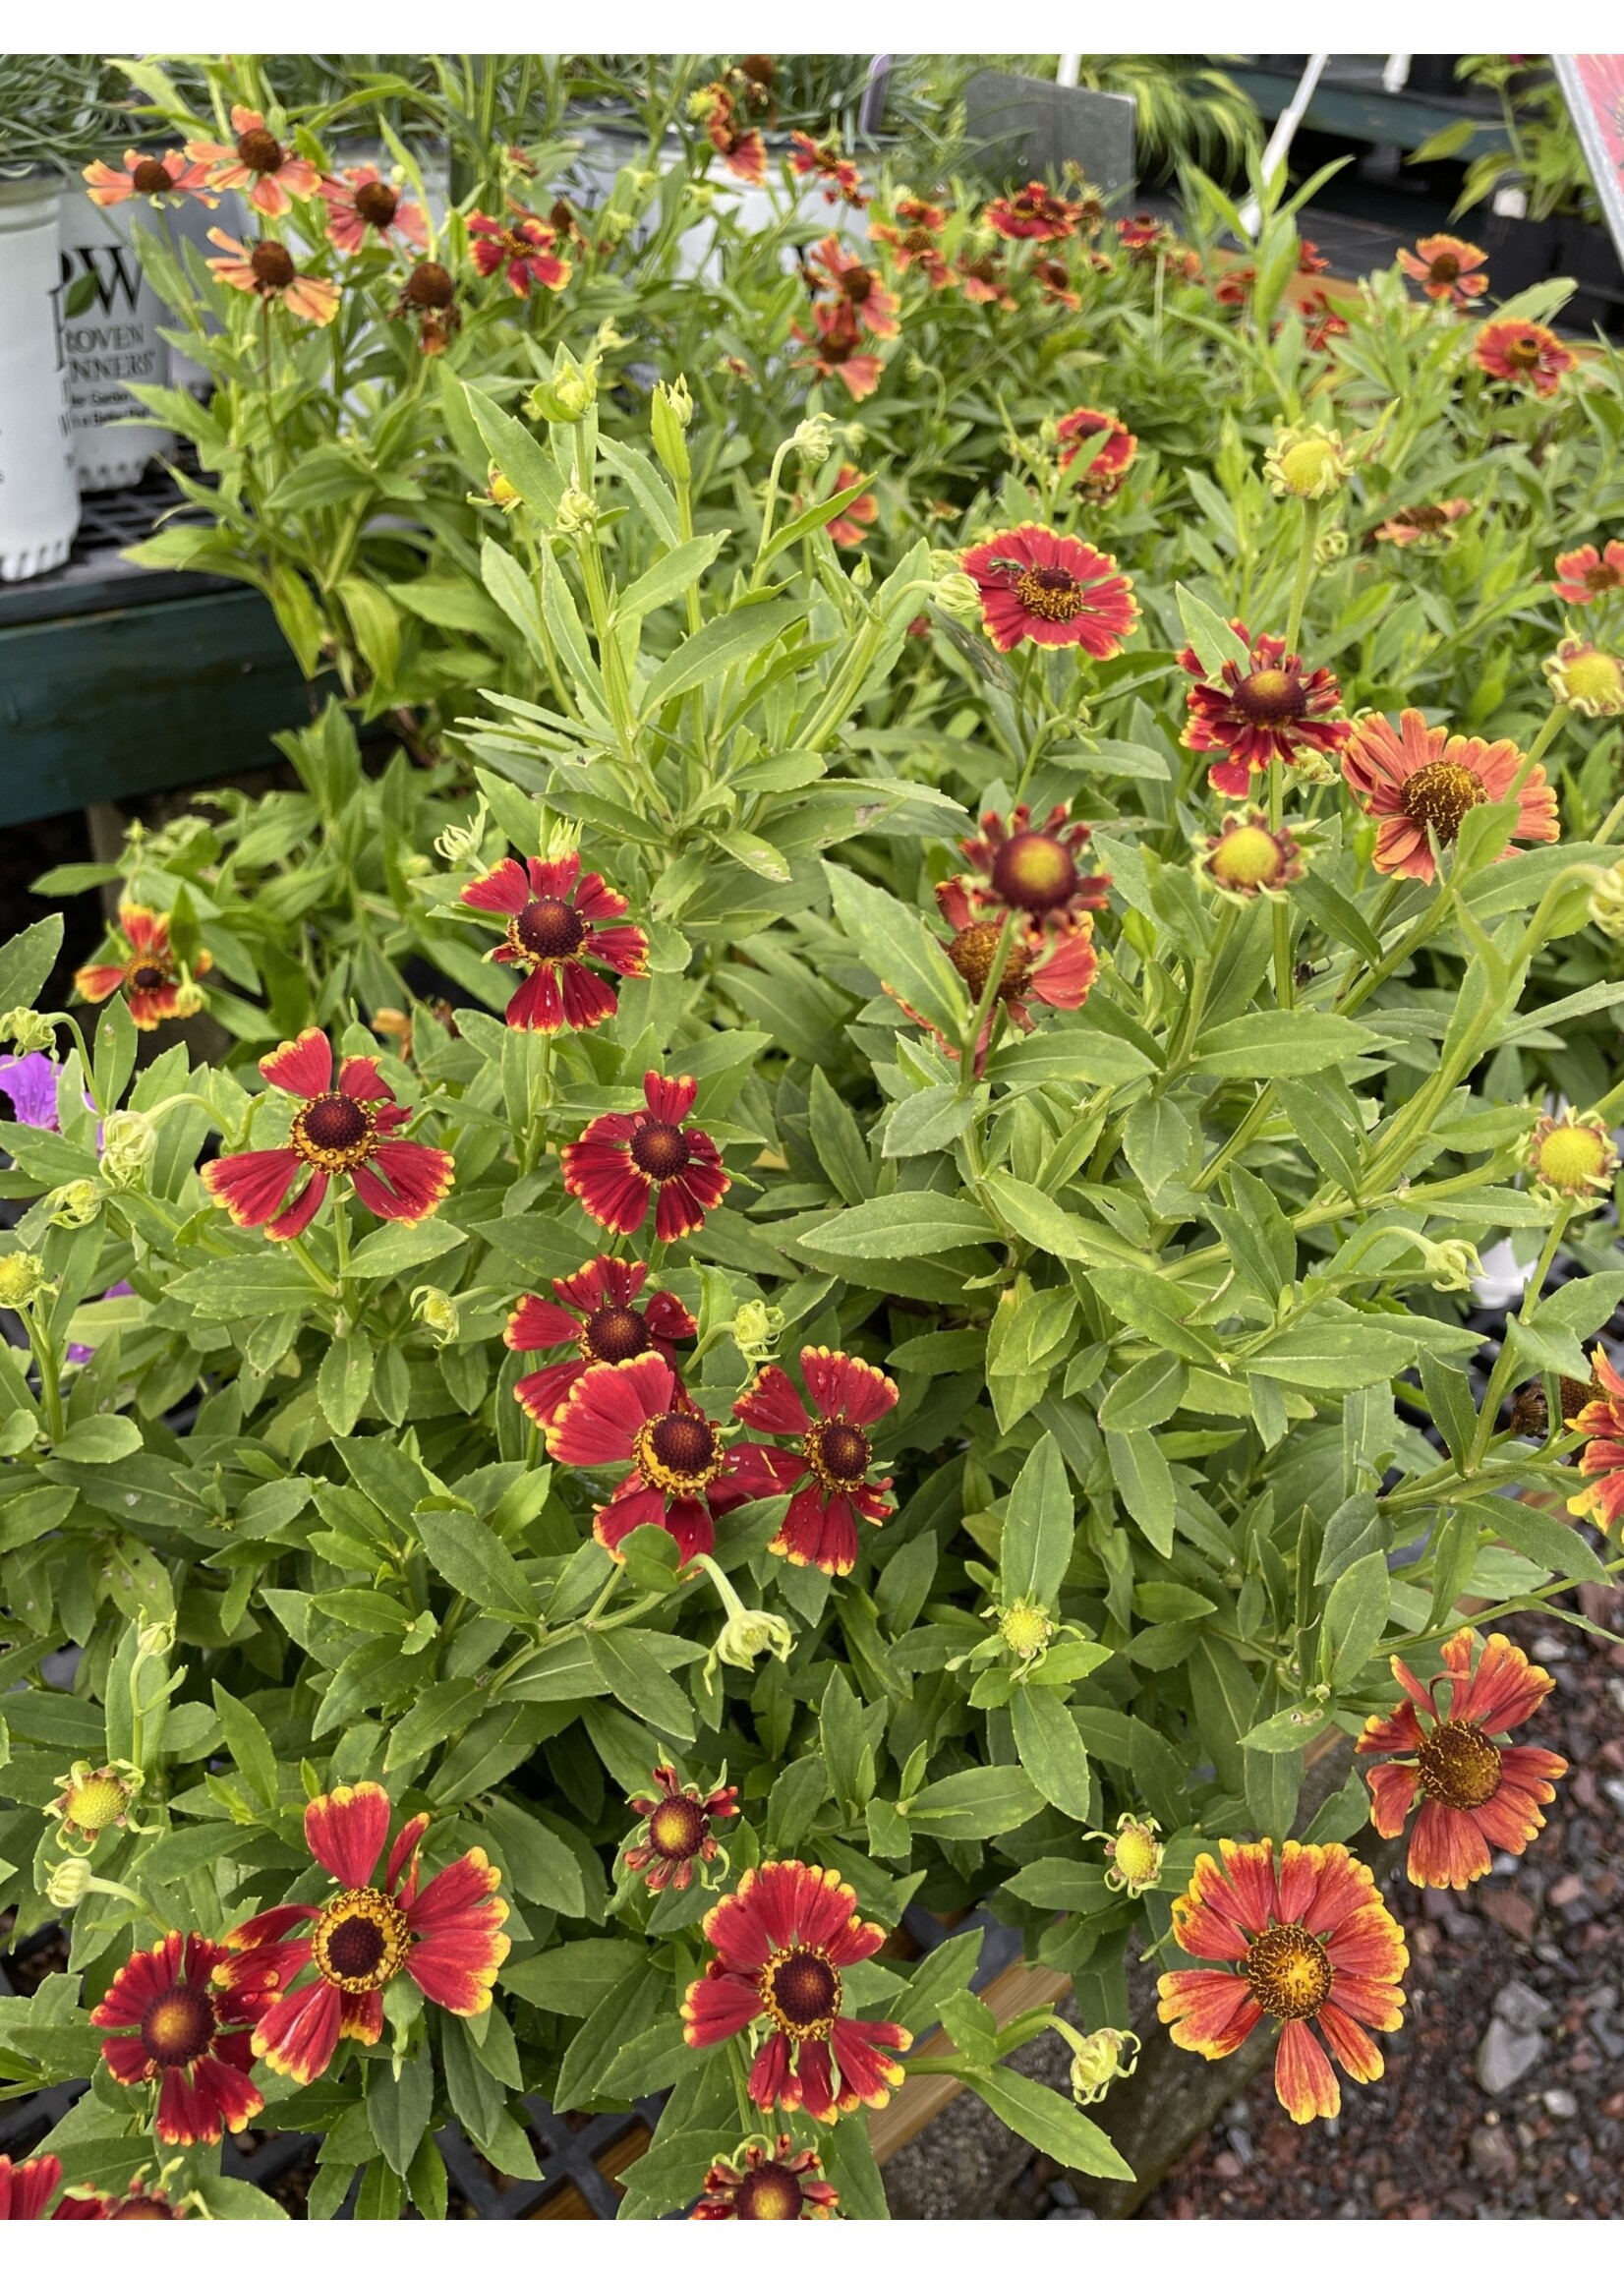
x=755, y=1329
x=1331, y=547
x=578, y=513
x=190, y=997
x=437, y=1315
x=1451, y=1265
x=1607, y=902
x=747, y=1633
x=127, y=1143
x=814, y=439
x=1027, y=1630
x=498, y=492
x=669, y=412
x=461, y=840
x=565, y=399
x=1135, y=1855
x=28, y=1030
x=69, y=1883
x=957, y=595
x=1098, y=2060
x=74, y=1205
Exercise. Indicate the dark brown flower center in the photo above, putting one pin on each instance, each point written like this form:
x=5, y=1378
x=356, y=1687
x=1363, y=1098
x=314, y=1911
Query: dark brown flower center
x=858, y=284
x=515, y=246
x=1034, y=871
x=684, y=1445
x=148, y=974
x=259, y=151
x=1460, y=1767
x=151, y=177
x=660, y=1149
x=272, y=265
x=548, y=930
x=971, y=954
x=611, y=1335
x=178, y=2026
x=677, y=1828
x=1270, y=697
x=1445, y=269
x=1289, y=1972
x=333, y=1124
x=377, y=203
x=1601, y=578
x=1054, y=594
x=919, y=240
x=801, y=1990
x=361, y=1940
x=429, y=286
x=772, y=2191
x=837, y=1453
x=1523, y=351
x=1440, y=795
x=1427, y=517
x=144, y=2207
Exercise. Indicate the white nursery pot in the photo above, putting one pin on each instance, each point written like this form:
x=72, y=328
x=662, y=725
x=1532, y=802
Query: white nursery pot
x=39, y=495
x=109, y=343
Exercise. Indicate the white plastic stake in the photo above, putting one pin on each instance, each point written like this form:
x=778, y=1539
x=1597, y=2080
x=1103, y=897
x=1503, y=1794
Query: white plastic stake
x=1285, y=128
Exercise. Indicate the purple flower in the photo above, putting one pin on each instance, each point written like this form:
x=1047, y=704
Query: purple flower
x=30, y=1083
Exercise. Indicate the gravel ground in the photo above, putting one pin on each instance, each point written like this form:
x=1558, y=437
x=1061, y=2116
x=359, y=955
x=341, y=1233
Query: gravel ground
x=1504, y=2094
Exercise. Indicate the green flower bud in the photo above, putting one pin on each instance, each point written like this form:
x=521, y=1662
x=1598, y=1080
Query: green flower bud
x=28, y=1030
x=75, y=1205
x=129, y=1141
x=814, y=439
x=437, y=1315
x=22, y=1276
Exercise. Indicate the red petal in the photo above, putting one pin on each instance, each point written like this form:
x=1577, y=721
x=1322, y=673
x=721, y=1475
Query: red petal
x=345, y=1831
x=537, y=1005
x=772, y=1404
x=419, y=1179
x=252, y=1187
x=669, y=1097
x=359, y=1078
x=301, y=1213
x=846, y=1388
x=607, y=1408
x=505, y=889
x=302, y=1066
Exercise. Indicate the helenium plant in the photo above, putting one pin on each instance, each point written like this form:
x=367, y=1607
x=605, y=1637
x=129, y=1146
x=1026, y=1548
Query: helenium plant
x=820, y=1270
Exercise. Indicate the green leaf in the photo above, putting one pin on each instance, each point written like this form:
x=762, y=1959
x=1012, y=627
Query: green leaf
x=837, y=1141
x=625, y=2012
x=1355, y=1617
x=1067, y=1054
x=974, y=1804
x=1541, y=1538
x=928, y=1121
x=397, y=2108
x=27, y=960
x=1054, y=2126
x=1287, y=1731
x=1215, y=643
x=1051, y=1751
x=971, y=2025
x=101, y=1438
x=1034, y=1217
x=235, y=2198
x=518, y=455
x=572, y=1979
x=721, y=646
x=470, y=1557
x=342, y=1383
x=638, y=1681
x=543, y=1869
x=906, y=959
x=1144, y=1483
x=396, y=1247
x=1585, y=1305
x=670, y=578
x=251, y=1748
x=1266, y=1043
x=1035, y=1546
x=440, y=1713
x=1149, y=1394
x=902, y=1224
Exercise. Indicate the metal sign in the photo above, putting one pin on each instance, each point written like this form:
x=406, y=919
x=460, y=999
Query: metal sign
x=1592, y=86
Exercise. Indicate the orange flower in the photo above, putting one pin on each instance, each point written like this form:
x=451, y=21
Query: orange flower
x=1424, y=778
x=852, y=524
x=840, y=179
x=984, y=280
x=1602, y=1421
x=359, y=200
x=839, y=344
x=1306, y=1940
x=1107, y=470
x=1524, y=355
x=1446, y=269
x=1033, y=212
x=256, y=158
x=272, y=272
x=1588, y=575
x=157, y=179
x=1426, y=524
x=1472, y=1792
x=855, y=285
x=1055, y=591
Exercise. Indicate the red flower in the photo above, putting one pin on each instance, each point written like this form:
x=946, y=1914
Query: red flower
x=621, y=1158
x=173, y=2025
x=839, y=177
x=1524, y=355
x=1322, y=321
x=1586, y=575
x=359, y=200
x=595, y=1312
x=851, y=526
x=1033, y=870
x=342, y=1128
x=429, y=298
x=827, y=1469
x=912, y=237
x=1310, y=262
x=984, y=280
x=1425, y=778
x=138, y=2202
x=1055, y=591
x=257, y=157
x=682, y=1476
x=839, y=339
x=1446, y=269
x=753, y=2185
x=1308, y=1940
x=1141, y=234
x=1274, y=711
x=1057, y=966
x=783, y=1940
x=1600, y=1421
x=270, y=272
x=522, y=247
x=555, y=919
x=1426, y=524
x=25, y=2188
x=1233, y=288
x=1033, y=212
x=155, y=179
x=740, y=146
x=1107, y=470
x=857, y=286
x=1054, y=280
x=446, y=1935
x=1472, y=1792
x=148, y=972
x=678, y=1832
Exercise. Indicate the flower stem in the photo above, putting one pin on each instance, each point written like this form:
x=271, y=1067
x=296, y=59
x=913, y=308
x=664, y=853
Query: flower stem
x=1305, y=574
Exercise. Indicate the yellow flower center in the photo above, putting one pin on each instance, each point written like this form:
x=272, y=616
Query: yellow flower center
x=95, y=1804
x=1137, y=1854
x=178, y=2026
x=972, y=952
x=1289, y=1972
x=772, y=2191
x=1246, y=858
x=1309, y=468
x=1439, y=796
x=1034, y=871
x=1054, y=594
x=677, y=1828
x=361, y=1940
x=1595, y=678
x=1572, y=1158
x=801, y=1990
x=837, y=1453
x=1460, y=1767
x=1026, y=1629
